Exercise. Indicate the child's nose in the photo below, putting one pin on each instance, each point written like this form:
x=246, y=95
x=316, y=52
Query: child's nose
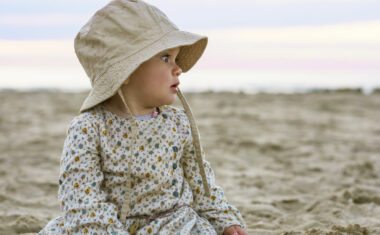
x=177, y=71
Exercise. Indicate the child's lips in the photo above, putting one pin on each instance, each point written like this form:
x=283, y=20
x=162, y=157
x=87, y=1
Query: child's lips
x=174, y=87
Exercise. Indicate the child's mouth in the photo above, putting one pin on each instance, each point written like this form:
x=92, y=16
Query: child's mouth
x=175, y=87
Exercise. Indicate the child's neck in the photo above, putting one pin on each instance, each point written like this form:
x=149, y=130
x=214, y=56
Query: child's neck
x=116, y=106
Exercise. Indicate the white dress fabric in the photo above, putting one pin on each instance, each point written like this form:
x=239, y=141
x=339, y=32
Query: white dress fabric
x=164, y=170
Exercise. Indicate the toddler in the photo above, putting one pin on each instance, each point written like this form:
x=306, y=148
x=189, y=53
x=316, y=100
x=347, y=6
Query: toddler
x=131, y=163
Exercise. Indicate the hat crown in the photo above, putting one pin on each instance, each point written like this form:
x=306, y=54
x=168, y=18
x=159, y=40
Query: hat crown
x=117, y=31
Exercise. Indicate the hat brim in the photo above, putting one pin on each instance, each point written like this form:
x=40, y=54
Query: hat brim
x=192, y=47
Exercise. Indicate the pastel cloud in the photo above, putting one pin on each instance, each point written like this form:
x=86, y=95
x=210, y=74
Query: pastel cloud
x=342, y=47
x=353, y=46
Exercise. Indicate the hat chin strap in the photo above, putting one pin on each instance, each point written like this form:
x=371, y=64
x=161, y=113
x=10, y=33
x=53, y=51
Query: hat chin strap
x=196, y=141
x=130, y=184
x=134, y=127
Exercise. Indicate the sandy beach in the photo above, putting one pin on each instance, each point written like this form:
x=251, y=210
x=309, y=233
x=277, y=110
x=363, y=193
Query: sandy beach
x=293, y=164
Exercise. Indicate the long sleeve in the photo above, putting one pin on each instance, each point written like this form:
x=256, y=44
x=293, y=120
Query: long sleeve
x=215, y=208
x=82, y=200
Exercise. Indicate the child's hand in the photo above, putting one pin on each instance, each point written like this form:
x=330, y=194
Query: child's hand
x=234, y=230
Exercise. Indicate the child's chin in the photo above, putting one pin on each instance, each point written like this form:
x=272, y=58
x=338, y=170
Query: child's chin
x=169, y=101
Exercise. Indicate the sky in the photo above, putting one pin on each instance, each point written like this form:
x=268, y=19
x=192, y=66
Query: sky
x=319, y=43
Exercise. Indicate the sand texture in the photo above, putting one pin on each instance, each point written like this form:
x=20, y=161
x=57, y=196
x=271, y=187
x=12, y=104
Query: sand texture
x=293, y=164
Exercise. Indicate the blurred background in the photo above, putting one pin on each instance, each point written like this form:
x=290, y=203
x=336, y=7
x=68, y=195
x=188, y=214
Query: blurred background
x=263, y=45
x=298, y=163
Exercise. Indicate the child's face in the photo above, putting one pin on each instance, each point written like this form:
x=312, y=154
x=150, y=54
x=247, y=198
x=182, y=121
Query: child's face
x=155, y=82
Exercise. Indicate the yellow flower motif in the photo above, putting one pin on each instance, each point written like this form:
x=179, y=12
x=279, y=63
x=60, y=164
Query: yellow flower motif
x=84, y=130
x=147, y=175
x=175, y=155
x=76, y=185
x=98, y=148
x=149, y=230
x=125, y=136
x=114, y=199
x=64, y=175
x=159, y=159
x=170, y=143
x=114, y=150
x=187, y=126
x=213, y=198
x=76, y=159
x=174, y=129
x=63, y=203
x=171, y=172
x=198, y=190
x=85, y=230
x=105, y=132
x=135, y=226
x=155, y=132
x=204, y=224
x=110, y=220
x=110, y=122
x=61, y=224
x=225, y=212
x=74, y=211
x=141, y=147
x=87, y=191
x=92, y=214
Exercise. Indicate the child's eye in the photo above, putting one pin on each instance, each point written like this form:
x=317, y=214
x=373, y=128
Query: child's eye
x=165, y=58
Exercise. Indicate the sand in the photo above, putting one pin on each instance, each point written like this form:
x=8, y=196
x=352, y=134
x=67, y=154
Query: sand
x=293, y=164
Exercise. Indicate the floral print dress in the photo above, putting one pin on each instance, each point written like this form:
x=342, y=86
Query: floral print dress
x=165, y=175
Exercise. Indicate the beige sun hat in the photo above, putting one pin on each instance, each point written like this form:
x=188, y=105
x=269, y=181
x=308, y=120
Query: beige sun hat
x=121, y=36
x=116, y=40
